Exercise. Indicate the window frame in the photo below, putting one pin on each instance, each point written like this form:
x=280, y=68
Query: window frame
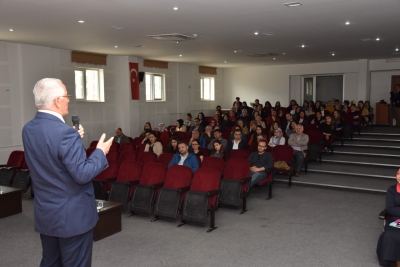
x=152, y=87
x=100, y=84
x=212, y=90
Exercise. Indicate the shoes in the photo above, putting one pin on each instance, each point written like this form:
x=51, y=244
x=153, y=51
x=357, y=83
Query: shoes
x=297, y=174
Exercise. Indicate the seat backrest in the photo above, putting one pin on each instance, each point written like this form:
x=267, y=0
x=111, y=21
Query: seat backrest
x=214, y=163
x=205, y=180
x=93, y=143
x=208, y=119
x=129, y=170
x=310, y=118
x=165, y=158
x=153, y=173
x=113, y=154
x=130, y=139
x=205, y=151
x=315, y=136
x=137, y=140
x=237, y=168
x=348, y=118
x=140, y=147
x=283, y=153
x=127, y=146
x=89, y=151
x=227, y=130
x=189, y=135
x=239, y=153
x=226, y=136
x=180, y=135
x=16, y=159
x=114, y=146
x=111, y=171
x=178, y=176
x=146, y=157
x=309, y=127
x=127, y=155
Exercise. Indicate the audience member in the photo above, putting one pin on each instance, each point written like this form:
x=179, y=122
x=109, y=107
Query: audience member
x=339, y=123
x=318, y=119
x=232, y=116
x=286, y=124
x=153, y=145
x=146, y=136
x=217, y=136
x=184, y=158
x=273, y=117
x=147, y=126
x=173, y=145
x=310, y=111
x=302, y=118
x=346, y=107
x=195, y=148
x=202, y=119
x=395, y=100
x=244, y=116
x=213, y=124
x=260, y=122
x=291, y=129
x=355, y=114
x=162, y=132
x=237, y=142
x=225, y=123
x=277, y=139
x=218, y=150
x=196, y=136
x=243, y=126
x=261, y=162
x=328, y=129
x=329, y=107
x=253, y=127
x=323, y=111
x=180, y=127
x=273, y=127
x=306, y=105
x=188, y=122
x=317, y=106
x=207, y=135
x=197, y=126
x=299, y=142
x=120, y=138
x=237, y=101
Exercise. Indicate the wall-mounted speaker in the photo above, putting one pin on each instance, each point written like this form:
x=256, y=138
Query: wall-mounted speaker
x=141, y=76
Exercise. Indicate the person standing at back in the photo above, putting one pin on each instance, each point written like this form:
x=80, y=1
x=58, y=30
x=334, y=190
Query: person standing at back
x=65, y=207
x=395, y=99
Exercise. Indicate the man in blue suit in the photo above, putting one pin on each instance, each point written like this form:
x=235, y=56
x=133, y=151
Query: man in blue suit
x=65, y=207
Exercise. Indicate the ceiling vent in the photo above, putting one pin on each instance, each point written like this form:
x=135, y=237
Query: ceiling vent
x=393, y=60
x=366, y=39
x=263, y=55
x=173, y=37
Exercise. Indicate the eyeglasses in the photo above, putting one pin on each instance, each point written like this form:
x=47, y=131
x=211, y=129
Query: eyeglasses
x=69, y=96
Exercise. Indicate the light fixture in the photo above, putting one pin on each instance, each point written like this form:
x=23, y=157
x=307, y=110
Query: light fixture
x=238, y=51
x=347, y=22
x=377, y=39
x=302, y=46
x=116, y=46
x=274, y=58
x=292, y=4
x=11, y=30
x=81, y=21
x=177, y=42
x=225, y=61
x=256, y=33
x=397, y=49
x=333, y=54
x=180, y=55
x=283, y=53
x=175, y=8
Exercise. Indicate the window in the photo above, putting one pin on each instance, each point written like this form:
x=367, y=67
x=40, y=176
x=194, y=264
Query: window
x=89, y=84
x=207, y=88
x=155, y=87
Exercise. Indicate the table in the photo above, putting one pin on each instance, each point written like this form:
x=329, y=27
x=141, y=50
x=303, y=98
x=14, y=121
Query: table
x=10, y=201
x=109, y=221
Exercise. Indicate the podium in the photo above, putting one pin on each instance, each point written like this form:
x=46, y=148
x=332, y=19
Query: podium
x=382, y=114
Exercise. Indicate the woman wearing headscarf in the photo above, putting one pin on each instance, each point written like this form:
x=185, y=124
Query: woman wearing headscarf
x=180, y=127
x=277, y=139
x=162, y=132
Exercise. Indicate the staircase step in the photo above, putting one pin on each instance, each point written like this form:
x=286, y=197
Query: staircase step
x=375, y=139
x=367, y=170
x=360, y=159
x=366, y=144
x=357, y=153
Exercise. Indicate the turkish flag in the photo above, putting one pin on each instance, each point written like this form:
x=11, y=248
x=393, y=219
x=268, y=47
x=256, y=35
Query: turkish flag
x=134, y=80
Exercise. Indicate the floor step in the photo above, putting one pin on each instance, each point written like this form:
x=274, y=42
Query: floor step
x=354, y=169
x=366, y=144
x=362, y=160
x=375, y=139
x=378, y=176
x=354, y=154
x=366, y=150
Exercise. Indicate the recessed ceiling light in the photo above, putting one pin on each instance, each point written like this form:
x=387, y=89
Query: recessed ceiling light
x=118, y=27
x=81, y=21
x=175, y=8
x=177, y=42
x=238, y=51
x=292, y=4
x=377, y=39
x=302, y=46
x=11, y=30
x=347, y=22
x=180, y=55
x=397, y=49
x=225, y=61
x=116, y=46
x=256, y=33
x=274, y=58
x=283, y=53
x=333, y=54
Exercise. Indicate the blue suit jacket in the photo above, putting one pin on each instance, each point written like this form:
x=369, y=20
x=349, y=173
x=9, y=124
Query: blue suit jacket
x=61, y=175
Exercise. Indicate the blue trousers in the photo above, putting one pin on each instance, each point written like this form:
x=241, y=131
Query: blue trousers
x=256, y=177
x=75, y=251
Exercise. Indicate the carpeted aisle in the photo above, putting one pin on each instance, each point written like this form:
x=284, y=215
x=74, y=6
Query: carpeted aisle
x=300, y=226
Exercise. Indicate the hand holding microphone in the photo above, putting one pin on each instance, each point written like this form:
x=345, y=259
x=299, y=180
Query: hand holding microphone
x=77, y=126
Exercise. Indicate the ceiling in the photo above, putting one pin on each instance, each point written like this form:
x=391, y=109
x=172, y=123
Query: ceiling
x=221, y=27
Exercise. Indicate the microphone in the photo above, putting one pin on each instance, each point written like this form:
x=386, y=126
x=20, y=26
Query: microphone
x=75, y=122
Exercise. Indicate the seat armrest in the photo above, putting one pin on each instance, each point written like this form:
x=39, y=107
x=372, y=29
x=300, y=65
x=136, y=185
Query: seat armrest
x=183, y=189
x=157, y=185
x=213, y=192
x=383, y=214
x=244, y=180
x=3, y=165
x=109, y=180
x=270, y=169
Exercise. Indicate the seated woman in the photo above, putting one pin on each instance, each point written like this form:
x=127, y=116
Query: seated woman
x=281, y=115
x=218, y=150
x=317, y=106
x=363, y=110
x=277, y=139
x=370, y=111
x=388, y=248
x=195, y=147
x=355, y=114
x=147, y=126
x=202, y=119
x=153, y=145
x=243, y=126
x=207, y=135
x=328, y=130
x=291, y=129
x=254, y=116
x=302, y=118
x=274, y=126
x=162, y=132
x=260, y=122
x=253, y=139
x=232, y=115
x=318, y=119
x=180, y=127
x=310, y=111
x=225, y=121
x=253, y=127
x=173, y=145
x=339, y=123
x=188, y=122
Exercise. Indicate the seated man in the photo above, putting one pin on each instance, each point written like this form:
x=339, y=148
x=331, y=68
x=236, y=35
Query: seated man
x=261, y=163
x=196, y=136
x=120, y=138
x=217, y=136
x=286, y=124
x=197, y=126
x=184, y=158
x=244, y=116
x=237, y=142
x=299, y=142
